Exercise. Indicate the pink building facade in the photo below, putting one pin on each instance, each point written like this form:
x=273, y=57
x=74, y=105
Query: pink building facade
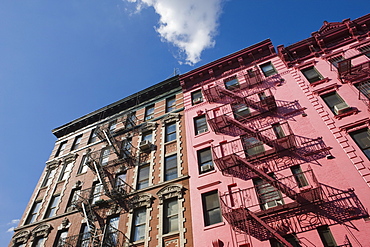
x=278, y=143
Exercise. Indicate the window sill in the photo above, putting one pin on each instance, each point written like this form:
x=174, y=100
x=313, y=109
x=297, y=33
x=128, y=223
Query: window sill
x=207, y=173
x=202, y=134
x=353, y=111
x=313, y=84
x=214, y=226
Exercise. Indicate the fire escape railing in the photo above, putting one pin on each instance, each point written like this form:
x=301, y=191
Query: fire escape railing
x=350, y=73
x=265, y=212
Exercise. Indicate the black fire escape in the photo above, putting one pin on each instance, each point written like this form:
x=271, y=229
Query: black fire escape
x=264, y=145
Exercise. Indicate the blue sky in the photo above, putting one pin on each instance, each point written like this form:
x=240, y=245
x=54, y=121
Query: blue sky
x=60, y=60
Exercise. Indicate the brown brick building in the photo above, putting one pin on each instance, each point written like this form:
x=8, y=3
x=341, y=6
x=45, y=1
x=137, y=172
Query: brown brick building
x=116, y=177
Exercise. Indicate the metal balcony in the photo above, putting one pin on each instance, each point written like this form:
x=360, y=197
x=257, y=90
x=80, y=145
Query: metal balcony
x=265, y=212
x=354, y=69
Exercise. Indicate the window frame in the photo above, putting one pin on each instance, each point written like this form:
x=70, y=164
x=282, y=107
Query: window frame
x=140, y=183
x=76, y=142
x=207, y=217
x=170, y=135
x=93, y=136
x=83, y=165
x=232, y=83
x=328, y=98
x=202, y=163
x=52, y=207
x=33, y=213
x=168, y=217
x=365, y=147
x=268, y=72
x=61, y=148
x=325, y=233
x=171, y=104
x=149, y=112
x=66, y=171
x=312, y=78
x=49, y=177
x=104, y=156
x=138, y=225
x=200, y=127
x=73, y=197
x=196, y=97
x=170, y=165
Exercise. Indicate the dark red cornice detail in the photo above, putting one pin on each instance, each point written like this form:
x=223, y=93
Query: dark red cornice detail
x=233, y=62
x=330, y=36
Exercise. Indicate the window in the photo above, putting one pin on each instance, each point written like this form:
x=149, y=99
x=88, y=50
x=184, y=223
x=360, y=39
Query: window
x=73, y=199
x=326, y=237
x=84, y=237
x=65, y=171
x=138, y=224
x=112, y=125
x=52, y=206
x=60, y=240
x=148, y=136
x=93, y=137
x=170, y=216
x=200, y=124
x=33, y=213
x=111, y=238
x=291, y=238
x=196, y=97
x=253, y=146
x=76, y=142
x=49, y=177
x=267, y=194
x=364, y=88
x=97, y=190
x=83, y=166
x=299, y=176
x=362, y=139
x=335, y=60
x=336, y=104
x=130, y=120
x=38, y=242
x=126, y=148
x=61, y=148
x=170, y=167
x=311, y=74
x=278, y=130
x=205, y=162
x=149, y=113
x=240, y=111
x=104, y=157
x=143, y=177
x=268, y=69
x=171, y=104
x=170, y=132
x=231, y=83
x=120, y=182
x=211, y=208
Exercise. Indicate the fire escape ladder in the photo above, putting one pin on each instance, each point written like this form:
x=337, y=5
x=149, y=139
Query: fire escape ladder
x=251, y=132
x=218, y=123
x=103, y=134
x=100, y=172
x=89, y=217
x=231, y=94
x=270, y=229
x=274, y=182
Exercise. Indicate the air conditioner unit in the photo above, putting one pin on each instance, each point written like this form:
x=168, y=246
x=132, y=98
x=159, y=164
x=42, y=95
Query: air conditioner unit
x=272, y=204
x=341, y=108
x=206, y=168
x=145, y=145
x=197, y=100
x=201, y=131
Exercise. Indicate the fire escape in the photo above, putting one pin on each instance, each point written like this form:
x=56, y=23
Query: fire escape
x=110, y=191
x=264, y=147
x=356, y=71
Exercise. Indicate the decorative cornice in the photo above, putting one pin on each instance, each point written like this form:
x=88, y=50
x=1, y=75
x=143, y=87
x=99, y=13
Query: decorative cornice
x=170, y=191
x=170, y=117
x=21, y=237
x=141, y=200
x=42, y=230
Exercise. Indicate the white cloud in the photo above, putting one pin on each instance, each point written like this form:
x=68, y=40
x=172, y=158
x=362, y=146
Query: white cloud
x=190, y=25
x=11, y=229
x=13, y=222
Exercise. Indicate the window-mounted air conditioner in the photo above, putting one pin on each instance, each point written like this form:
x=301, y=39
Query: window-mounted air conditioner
x=341, y=108
x=272, y=204
x=200, y=131
x=145, y=145
x=197, y=101
x=206, y=168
